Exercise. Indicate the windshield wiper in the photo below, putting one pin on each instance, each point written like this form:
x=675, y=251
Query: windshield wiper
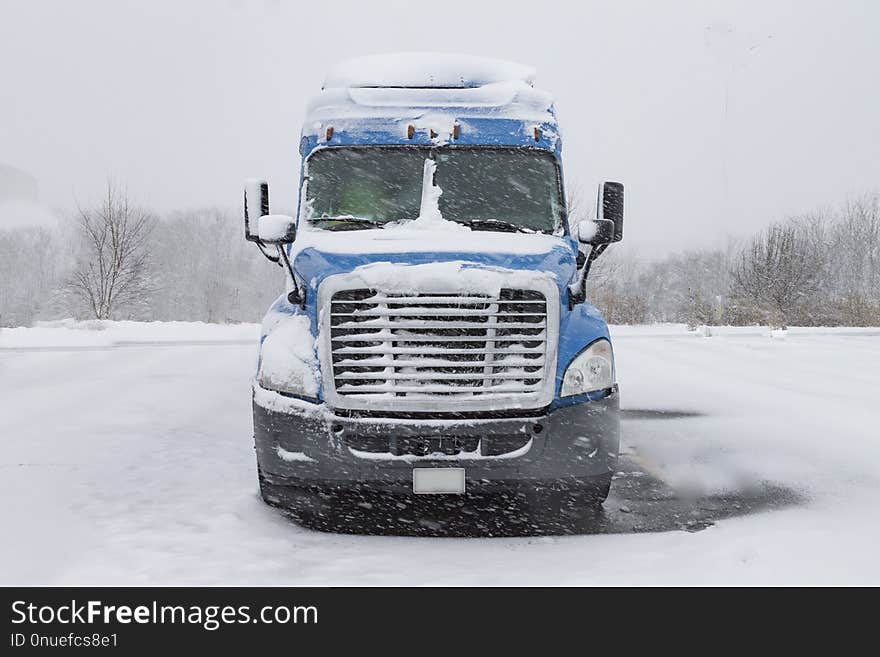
x=497, y=224
x=349, y=223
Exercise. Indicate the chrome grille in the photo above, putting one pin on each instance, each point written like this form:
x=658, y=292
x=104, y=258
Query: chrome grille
x=439, y=351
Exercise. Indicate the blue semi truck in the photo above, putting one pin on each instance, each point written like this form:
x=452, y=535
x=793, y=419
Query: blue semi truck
x=435, y=337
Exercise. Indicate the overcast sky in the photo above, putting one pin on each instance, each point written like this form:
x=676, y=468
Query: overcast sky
x=183, y=100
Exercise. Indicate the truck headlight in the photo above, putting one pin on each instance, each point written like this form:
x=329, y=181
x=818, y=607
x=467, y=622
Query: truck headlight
x=287, y=359
x=592, y=369
x=299, y=386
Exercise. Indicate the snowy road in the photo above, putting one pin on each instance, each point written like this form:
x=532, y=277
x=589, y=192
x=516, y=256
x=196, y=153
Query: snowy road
x=133, y=463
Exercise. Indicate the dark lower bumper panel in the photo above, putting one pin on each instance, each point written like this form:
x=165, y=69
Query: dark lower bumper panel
x=306, y=445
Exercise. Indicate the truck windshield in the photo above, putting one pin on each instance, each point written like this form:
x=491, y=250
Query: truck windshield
x=486, y=188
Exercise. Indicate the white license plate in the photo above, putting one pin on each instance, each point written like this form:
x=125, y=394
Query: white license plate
x=438, y=480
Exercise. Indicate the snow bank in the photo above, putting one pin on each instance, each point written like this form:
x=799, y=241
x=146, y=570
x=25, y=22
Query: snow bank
x=681, y=330
x=106, y=333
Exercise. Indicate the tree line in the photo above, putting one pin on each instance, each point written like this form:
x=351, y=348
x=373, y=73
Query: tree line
x=820, y=269
x=118, y=260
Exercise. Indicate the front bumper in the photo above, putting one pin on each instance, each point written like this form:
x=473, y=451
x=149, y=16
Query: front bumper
x=303, y=444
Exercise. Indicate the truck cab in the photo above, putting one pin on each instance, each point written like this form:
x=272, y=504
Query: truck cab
x=435, y=337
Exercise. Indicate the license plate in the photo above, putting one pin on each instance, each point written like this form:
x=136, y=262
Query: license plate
x=428, y=481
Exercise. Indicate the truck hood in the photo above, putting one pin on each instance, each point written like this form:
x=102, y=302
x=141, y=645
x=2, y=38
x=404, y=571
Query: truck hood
x=318, y=254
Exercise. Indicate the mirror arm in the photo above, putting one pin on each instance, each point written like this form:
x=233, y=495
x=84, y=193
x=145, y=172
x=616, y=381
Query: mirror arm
x=298, y=293
x=266, y=254
x=577, y=292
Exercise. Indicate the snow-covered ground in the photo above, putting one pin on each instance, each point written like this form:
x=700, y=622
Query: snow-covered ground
x=127, y=459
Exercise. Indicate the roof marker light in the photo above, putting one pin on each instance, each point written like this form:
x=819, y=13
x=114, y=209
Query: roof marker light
x=455, y=129
x=410, y=131
x=537, y=134
x=329, y=133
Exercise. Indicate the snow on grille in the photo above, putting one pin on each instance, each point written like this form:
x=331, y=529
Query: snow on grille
x=438, y=347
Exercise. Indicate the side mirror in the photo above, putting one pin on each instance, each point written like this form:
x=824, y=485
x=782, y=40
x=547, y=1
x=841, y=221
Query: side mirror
x=610, y=207
x=597, y=231
x=256, y=204
x=277, y=229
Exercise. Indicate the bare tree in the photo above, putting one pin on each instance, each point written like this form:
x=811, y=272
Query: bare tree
x=780, y=270
x=854, y=286
x=616, y=289
x=112, y=270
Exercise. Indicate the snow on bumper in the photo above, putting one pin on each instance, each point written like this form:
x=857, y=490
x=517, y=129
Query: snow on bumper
x=558, y=447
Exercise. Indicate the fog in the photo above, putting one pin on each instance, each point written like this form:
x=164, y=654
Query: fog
x=719, y=117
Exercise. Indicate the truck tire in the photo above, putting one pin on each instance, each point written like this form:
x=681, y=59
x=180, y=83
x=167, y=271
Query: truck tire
x=305, y=505
x=569, y=510
x=591, y=494
x=598, y=493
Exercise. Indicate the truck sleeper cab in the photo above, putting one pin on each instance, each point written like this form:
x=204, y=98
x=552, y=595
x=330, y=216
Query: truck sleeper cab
x=435, y=336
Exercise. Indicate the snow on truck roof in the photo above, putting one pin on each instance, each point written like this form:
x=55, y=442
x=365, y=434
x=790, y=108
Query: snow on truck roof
x=419, y=97
x=425, y=70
